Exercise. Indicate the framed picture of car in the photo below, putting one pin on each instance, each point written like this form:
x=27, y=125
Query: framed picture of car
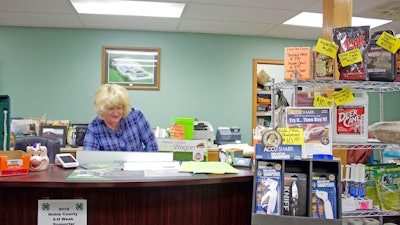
x=135, y=68
x=58, y=132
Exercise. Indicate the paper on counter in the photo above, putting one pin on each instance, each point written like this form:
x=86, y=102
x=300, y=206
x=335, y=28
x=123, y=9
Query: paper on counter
x=151, y=166
x=208, y=167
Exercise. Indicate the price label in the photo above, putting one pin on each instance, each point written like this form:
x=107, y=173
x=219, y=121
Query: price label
x=343, y=96
x=321, y=101
x=292, y=136
x=350, y=57
x=388, y=42
x=327, y=48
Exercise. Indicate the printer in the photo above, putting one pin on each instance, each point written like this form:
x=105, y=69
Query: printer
x=203, y=130
x=228, y=135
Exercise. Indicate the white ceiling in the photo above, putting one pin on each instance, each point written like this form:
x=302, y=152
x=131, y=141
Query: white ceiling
x=235, y=17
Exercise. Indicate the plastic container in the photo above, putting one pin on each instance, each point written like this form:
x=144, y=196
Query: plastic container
x=381, y=63
x=351, y=119
x=182, y=128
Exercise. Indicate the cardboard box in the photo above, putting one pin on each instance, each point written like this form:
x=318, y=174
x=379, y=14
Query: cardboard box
x=14, y=163
x=213, y=154
x=317, y=128
x=185, y=150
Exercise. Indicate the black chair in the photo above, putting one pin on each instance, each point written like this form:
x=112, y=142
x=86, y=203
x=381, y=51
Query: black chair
x=52, y=144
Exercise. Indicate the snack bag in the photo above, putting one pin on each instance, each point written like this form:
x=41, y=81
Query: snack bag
x=349, y=38
x=370, y=189
x=323, y=66
x=387, y=182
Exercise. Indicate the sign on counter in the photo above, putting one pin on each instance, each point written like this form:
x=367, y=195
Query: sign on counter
x=62, y=212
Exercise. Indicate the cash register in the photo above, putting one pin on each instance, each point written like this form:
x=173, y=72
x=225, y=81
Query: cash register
x=228, y=135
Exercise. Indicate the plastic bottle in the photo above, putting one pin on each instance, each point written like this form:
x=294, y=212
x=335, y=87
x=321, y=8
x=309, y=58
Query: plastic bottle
x=351, y=120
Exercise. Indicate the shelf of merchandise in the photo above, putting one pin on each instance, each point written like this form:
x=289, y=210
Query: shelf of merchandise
x=264, y=115
x=369, y=86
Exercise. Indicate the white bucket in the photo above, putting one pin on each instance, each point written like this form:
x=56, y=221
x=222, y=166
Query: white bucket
x=351, y=119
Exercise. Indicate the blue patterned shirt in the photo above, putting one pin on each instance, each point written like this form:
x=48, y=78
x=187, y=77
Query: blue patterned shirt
x=134, y=133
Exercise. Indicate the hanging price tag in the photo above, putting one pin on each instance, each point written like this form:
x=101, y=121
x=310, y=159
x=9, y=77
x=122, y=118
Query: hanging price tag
x=389, y=42
x=327, y=48
x=343, y=96
x=350, y=57
x=321, y=101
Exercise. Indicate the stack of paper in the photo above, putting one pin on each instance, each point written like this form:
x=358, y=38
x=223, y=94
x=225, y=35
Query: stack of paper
x=208, y=167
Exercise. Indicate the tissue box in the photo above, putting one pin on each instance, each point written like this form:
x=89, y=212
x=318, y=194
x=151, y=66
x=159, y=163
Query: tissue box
x=14, y=163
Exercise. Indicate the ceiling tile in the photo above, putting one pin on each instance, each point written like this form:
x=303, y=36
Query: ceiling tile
x=308, y=33
x=237, y=14
x=39, y=20
x=43, y=6
x=218, y=27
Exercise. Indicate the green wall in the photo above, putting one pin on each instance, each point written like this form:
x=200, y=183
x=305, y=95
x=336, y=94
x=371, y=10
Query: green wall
x=208, y=77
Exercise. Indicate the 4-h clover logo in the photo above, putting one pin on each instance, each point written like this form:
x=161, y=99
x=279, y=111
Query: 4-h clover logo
x=79, y=206
x=45, y=206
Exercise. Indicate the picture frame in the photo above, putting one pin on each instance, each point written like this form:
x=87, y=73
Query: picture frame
x=135, y=68
x=59, y=132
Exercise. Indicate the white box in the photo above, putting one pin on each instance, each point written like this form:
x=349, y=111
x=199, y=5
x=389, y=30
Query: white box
x=317, y=125
x=184, y=150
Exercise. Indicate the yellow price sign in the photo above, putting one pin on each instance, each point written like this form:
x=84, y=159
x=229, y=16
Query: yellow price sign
x=321, y=101
x=388, y=42
x=350, y=57
x=343, y=96
x=326, y=47
x=292, y=136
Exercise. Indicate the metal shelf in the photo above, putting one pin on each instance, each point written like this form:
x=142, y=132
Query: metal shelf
x=369, y=213
x=369, y=145
x=370, y=86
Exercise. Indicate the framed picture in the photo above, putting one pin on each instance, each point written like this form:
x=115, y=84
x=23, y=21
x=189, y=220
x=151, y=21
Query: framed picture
x=59, y=132
x=134, y=68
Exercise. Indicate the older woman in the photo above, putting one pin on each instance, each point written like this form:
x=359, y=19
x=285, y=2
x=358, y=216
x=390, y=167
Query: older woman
x=118, y=127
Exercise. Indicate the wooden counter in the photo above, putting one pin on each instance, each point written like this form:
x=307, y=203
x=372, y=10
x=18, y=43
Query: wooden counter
x=217, y=199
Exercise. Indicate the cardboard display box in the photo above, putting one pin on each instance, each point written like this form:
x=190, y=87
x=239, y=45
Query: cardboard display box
x=185, y=150
x=14, y=163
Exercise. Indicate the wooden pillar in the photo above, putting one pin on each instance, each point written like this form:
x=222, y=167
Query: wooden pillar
x=336, y=13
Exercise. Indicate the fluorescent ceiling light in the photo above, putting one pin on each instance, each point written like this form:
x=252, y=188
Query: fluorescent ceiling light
x=129, y=8
x=315, y=20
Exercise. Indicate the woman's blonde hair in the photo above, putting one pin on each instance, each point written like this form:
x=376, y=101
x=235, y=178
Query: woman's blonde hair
x=111, y=95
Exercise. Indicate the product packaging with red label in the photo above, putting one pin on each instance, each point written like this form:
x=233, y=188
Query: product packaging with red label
x=349, y=119
x=350, y=38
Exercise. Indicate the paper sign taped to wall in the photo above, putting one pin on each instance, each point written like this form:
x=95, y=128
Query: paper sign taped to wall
x=298, y=61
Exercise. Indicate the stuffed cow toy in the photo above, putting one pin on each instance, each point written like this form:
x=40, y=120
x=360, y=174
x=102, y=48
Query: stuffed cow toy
x=39, y=160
